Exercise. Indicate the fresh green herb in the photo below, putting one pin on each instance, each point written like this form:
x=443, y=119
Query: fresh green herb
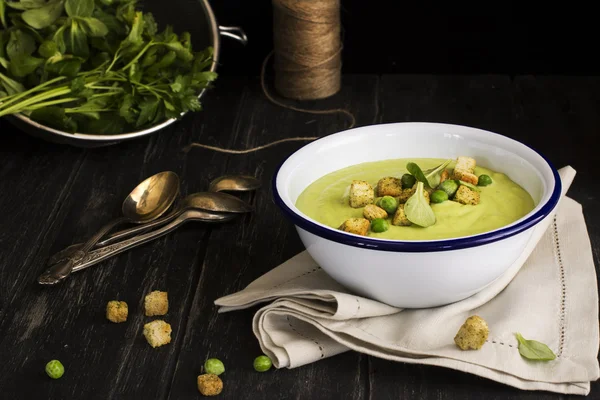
x=96, y=66
x=484, y=180
x=3, y=13
x=434, y=175
x=431, y=177
x=44, y=16
x=469, y=185
x=534, y=350
x=416, y=171
x=417, y=209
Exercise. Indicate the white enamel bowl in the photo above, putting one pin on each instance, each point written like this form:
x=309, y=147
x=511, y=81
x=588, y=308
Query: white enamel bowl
x=411, y=273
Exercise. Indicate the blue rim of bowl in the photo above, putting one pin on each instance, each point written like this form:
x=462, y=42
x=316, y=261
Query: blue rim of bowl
x=420, y=246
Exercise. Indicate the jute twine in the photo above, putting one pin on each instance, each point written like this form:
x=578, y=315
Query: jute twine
x=307, y=49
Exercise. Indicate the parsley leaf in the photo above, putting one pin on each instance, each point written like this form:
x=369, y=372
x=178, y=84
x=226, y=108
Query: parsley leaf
x=43, y=17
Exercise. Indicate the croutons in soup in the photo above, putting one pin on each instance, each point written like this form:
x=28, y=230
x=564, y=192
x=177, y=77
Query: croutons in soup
x=415, y=199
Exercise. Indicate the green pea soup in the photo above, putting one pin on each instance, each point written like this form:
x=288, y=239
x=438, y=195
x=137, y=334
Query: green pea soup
x=501, y=203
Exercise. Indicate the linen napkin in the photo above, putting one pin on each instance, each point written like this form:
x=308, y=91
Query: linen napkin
x=549, y=294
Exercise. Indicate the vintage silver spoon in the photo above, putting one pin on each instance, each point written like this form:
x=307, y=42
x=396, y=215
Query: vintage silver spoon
x=148, y=201
x=103, y=253
x=234, y=183
x=208, y=201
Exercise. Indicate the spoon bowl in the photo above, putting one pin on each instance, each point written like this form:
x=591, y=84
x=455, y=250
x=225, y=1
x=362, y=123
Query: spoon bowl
x=216, y=201
x=234, y=183
x=151, y=198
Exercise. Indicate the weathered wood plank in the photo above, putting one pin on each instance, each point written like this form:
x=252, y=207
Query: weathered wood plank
x=239, y=253
x=67, y=322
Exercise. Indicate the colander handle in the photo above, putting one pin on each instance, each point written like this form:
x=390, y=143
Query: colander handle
x=234, y=32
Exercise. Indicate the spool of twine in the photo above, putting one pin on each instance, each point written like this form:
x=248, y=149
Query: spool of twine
x=308, y=61
x=307, y=48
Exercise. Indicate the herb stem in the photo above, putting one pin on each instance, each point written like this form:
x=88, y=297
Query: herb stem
x=83, y=110
x=35, y=99
x=18, y=96
x=51, y=103
x=113, y=88
x=137, y=57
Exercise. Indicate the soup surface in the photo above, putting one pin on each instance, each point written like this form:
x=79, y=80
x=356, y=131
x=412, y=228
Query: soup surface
x=501, y=203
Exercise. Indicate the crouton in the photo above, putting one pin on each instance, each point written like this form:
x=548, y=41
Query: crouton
x=389, y=186
x=371, y=212
x=400, y=217
x=157, y=333
x=361, y=194
x=472, y=334
x=209, y=384
x=464, y=195
x=358, y=226
x=464, y=170
x=444, y=175
x=116, y=311
x=407, y=193
x=156, y=303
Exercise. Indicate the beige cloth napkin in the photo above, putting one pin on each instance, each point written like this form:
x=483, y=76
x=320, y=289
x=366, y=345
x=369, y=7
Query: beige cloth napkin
x=549, y=294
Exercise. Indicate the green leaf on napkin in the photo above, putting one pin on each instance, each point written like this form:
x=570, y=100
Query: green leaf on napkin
x=534, y=350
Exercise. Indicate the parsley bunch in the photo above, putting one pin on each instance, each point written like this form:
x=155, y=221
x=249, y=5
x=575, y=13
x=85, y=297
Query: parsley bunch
x=96, y=66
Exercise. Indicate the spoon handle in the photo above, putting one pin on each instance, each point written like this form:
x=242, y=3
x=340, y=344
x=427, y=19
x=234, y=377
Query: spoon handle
x=63, y=269
x=104, y=253
x=117, y=236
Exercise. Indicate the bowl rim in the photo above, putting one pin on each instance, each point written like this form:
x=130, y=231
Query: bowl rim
x=216, y=39
x=420, y=246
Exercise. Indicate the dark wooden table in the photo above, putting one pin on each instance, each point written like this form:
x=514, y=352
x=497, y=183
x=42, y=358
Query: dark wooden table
x=53, y=195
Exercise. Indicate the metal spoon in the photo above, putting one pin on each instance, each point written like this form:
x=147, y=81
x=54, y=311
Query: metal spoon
x=208, y=201
x=148, y=201
x=234, y=183
x=103, y=253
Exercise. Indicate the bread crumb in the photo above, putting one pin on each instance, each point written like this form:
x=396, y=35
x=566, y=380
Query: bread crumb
x=358, y=226
x=210, y=384
x=156, y=303
x=116, y=311
x=157, y=333
x=472, y=334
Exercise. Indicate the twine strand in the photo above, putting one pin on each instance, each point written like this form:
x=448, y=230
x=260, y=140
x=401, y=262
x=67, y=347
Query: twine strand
x=308, y=61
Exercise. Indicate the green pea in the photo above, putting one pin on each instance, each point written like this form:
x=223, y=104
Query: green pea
x=55, y=369
x=262, y=363
x=484, y=180
x=449, y=186
x=379, y=225
x=439, y=196
x=408, y=181
x=389, y=204
x=47, y=49
x=214, y=366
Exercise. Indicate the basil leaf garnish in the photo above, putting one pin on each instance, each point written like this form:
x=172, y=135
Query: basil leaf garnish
x=417, y=209
x=534, y=350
